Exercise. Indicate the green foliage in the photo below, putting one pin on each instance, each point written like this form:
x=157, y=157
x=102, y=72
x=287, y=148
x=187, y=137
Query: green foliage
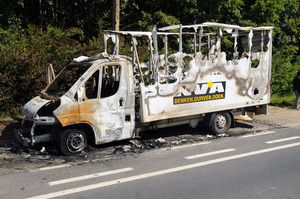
x=286, y=100
x=159, y=18
x=24, y=55
x=284, y=69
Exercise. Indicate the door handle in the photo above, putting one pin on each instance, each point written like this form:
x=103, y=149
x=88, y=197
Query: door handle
x=121, y=101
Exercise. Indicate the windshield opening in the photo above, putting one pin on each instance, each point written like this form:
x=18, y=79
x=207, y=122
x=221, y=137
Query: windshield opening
x=66, y=79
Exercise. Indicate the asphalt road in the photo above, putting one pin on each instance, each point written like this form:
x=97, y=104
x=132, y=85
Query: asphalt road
x=264, y=165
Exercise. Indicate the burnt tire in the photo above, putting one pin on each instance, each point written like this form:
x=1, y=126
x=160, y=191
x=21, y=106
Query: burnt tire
x=220, y=123
x=71, y=141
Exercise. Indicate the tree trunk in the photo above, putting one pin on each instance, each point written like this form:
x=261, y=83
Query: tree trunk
x=41, y=14
x=116, y=15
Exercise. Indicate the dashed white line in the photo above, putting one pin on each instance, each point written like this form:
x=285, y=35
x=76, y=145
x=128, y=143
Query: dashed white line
x=208, y=154
x=85, y=177
x=51, y=167
x=70, y=164
x=282, y=140
x=187, y=145
x=258, y=134
x=157, y=173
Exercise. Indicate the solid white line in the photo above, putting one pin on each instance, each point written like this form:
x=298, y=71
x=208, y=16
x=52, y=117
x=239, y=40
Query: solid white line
x=51, y=167
x=157, y=173
x=209, y=154
x=85, y=177
x=282, y=140
x=258, y=134
x=187, y=145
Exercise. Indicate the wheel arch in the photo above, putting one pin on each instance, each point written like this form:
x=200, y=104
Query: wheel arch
x=88, y=130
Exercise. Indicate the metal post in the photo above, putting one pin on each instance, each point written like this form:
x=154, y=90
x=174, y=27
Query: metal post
x=180, y=38
x=200, y=38
x=195, y=43
x=166, y=54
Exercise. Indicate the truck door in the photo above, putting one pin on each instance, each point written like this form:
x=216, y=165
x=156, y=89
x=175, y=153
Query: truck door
x=108, y=102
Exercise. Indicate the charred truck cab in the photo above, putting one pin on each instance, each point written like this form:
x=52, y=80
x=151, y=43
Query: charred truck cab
x=90, y=99
x=207, y=72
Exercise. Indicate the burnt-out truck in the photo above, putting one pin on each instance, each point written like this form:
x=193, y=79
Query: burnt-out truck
x=186, y=74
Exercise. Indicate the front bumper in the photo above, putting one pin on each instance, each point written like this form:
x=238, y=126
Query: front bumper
x=25, y=141
x=28, y=137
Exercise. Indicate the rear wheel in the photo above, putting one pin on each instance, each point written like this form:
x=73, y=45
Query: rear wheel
x=72, y=141
x=220, y=123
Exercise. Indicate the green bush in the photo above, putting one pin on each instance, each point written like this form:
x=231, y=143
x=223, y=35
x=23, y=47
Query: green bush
x=24, y=55
x=284, y=69
x=287, y=100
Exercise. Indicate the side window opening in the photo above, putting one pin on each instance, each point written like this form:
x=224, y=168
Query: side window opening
x=227, y=46
x=188, y=43
x=243, y=46
x=111, y=76
x=212, y=49
x=204, y=47
x=91, y=86
x=266, y=40
x=256, y=42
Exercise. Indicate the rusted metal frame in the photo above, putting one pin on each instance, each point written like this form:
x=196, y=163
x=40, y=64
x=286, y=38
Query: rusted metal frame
x=136, y=56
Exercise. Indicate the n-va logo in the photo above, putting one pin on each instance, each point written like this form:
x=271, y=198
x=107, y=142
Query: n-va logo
x=203, y=92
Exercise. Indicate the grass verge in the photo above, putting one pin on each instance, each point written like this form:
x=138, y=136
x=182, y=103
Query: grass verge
x=287, y=100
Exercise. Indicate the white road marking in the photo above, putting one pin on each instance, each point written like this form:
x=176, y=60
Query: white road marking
x=70, y=164
x=187, y=145
x=157, y=173
x=258, y=134
x=51, y=167
x=209, y=154
x=85, y=177
x=282, y=140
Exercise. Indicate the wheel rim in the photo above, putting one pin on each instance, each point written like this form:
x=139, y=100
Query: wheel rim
x=75, y=142
x=221, y=122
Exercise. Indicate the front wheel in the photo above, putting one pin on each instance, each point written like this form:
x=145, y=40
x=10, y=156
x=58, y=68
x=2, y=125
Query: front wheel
x=72, y=141
x=220, y=123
